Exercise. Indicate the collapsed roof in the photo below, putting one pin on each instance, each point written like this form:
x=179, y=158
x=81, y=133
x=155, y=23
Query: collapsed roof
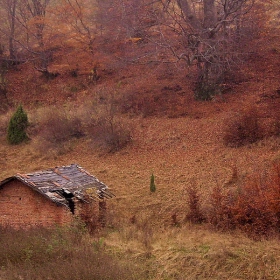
x=61, y=183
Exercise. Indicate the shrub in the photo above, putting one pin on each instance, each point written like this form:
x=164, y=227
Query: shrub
x=4, y=123
x=253, y=208
x=206, y=92
x=17, y=127
x=242, y=129
x=220, y=212
x=105, y=127
x=109, y=134
x=58, y=128
x=60, y=253
x=195, y=214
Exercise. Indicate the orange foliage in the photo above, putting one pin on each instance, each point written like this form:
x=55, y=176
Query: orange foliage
x=254, y=207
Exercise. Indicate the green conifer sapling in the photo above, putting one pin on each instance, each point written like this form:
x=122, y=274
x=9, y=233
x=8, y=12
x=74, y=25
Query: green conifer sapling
x=152, y=184
x=17, y=127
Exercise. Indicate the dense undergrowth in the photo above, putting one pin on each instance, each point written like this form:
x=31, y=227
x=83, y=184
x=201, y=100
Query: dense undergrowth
x=252, y=207
x=62, y=253
x=135, y=251
x=251, y=125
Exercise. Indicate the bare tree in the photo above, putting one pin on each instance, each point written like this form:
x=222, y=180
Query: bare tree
x=8, y=25
x=206, y=33
x=11, y=9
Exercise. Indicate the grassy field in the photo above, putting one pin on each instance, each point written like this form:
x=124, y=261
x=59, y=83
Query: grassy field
x=140, y=234
x=137, y=252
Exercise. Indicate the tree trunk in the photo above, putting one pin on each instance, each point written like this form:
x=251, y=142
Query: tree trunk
x=210, y=15
x=189, y=14
x=12, y=18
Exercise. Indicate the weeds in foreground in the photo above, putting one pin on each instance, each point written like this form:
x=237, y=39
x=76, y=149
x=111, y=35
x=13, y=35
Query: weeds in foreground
x=60, y=253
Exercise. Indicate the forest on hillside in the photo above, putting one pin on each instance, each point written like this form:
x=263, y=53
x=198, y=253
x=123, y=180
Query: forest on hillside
x=213, y=40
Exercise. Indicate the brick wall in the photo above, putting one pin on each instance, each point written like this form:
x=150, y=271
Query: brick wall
x=21, y=206
x=88, y=212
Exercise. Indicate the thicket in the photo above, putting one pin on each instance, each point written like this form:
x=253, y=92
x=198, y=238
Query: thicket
x=57, y=128
x=109, y=133
x=104, y=124
x=251, y=126
x=60, y=253
x=18, y=123
x=253, y=207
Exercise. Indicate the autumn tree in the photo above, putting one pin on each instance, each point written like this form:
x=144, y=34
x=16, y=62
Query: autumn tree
x=23, y=24
x=77, y=20
x=206, y=36
x=123, y=24
x=9, y=26
x=32, y=15
x=25, y=15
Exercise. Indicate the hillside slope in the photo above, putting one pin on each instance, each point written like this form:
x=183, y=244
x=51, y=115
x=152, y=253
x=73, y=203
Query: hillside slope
x=176, y=138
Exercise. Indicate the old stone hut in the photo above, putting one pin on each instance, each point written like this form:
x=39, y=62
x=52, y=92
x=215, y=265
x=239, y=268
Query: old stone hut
x=53, y=197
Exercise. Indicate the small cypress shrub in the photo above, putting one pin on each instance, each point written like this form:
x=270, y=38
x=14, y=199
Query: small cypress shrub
x=17, y=127
x=152, y=184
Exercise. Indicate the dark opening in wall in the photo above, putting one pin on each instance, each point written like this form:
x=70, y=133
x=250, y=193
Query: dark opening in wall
x=68, y=196
x=71, y=205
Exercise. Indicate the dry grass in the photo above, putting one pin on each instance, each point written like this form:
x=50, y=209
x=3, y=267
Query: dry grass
x=195, y=253
x=60, y=254
x=180, y=152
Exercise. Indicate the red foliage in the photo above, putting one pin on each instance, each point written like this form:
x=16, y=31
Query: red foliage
x=253, y=208
x=195, y=214
x=242, y=129
x=220, y=212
